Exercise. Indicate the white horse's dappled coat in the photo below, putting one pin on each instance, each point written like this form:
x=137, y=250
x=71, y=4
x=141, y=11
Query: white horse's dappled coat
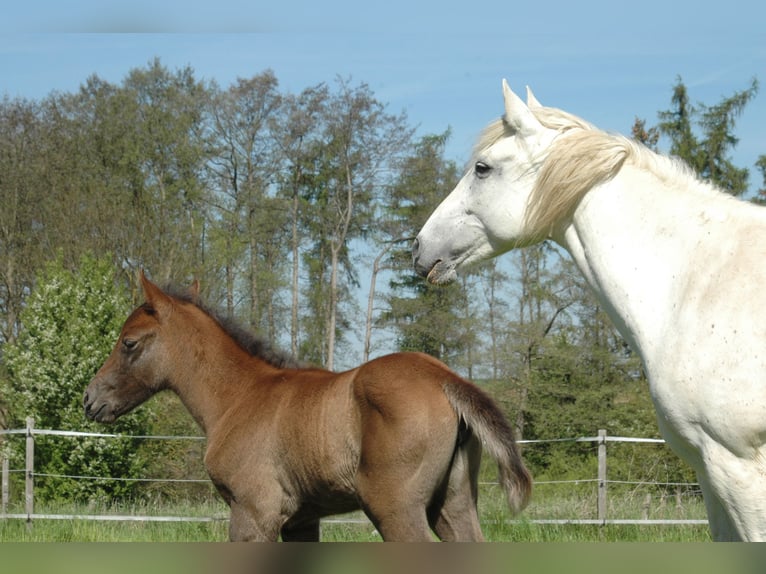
x=679, y=266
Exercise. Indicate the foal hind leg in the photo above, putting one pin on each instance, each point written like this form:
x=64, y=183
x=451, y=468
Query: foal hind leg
x=307, y=531
x=453, y=515
x=394, y=499
x=396, y=514
x=401, y=525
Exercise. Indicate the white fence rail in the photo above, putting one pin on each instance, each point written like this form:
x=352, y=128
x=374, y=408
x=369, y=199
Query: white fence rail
x=29, y=514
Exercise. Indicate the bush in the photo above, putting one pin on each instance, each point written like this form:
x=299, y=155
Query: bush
x=69, y=325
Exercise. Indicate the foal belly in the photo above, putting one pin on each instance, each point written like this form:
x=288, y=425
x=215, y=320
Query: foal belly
x=327, y=503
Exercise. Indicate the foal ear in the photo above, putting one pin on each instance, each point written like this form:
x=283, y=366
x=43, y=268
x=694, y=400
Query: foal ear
x=517, y=114
x=194, y=290
x=153, y=295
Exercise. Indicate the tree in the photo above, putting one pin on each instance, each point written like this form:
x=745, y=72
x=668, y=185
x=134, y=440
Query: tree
x=427, y=318
x=708, y=155
x=296, y=139
x=167, y=110
x=248, y=230
x=718, y=123
x=360, y=139
x=761, y=165
x=21, y=195
x=70, y=323
x=491, y=281
x=647, y=136
x=677, y=125
x=543, y=298
x=423, y=178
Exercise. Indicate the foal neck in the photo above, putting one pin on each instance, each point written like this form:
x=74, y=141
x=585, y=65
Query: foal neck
x=212, y=369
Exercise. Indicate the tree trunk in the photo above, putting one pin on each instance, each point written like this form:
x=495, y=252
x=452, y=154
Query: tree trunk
x=370, y=303
x=333, y=309
x=335, y=248
x=294, y=304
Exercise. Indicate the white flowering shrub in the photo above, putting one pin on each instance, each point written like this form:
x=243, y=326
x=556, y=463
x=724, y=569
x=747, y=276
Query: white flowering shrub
x=69, y=326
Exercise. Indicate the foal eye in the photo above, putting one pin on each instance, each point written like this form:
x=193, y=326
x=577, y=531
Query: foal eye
x=481, y=169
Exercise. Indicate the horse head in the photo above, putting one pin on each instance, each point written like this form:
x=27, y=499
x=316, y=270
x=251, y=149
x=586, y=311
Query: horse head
x=484, y=215
x=133, y=371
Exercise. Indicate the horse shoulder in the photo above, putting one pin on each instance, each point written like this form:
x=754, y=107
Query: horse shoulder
x=708, y=379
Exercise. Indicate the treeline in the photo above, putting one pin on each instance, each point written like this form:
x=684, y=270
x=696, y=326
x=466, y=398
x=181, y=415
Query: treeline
x=256, y=192
x=286, y=205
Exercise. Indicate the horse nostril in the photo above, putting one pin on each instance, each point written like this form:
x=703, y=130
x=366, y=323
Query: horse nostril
x=415, y=249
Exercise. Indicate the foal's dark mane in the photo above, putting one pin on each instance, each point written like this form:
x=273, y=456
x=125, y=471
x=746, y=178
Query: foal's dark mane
x=253, y=344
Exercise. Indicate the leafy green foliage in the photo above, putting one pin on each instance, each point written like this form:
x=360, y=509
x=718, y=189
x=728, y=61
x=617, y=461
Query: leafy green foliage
x=70, y=323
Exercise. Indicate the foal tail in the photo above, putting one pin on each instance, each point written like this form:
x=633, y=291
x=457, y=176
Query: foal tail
x=485, y=419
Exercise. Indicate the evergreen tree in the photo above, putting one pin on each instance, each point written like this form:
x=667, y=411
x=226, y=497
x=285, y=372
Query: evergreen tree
x=761, y=165
x=426, y=317
x=69, y=325
x=707, y=155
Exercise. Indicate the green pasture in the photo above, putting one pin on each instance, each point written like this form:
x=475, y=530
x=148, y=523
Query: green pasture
x=497, y=524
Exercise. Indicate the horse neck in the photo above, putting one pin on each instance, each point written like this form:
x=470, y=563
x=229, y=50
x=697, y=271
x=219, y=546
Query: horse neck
x=212, y=370
x=632, y=238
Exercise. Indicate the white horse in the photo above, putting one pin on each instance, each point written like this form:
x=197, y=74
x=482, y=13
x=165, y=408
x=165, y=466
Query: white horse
x=679, y=266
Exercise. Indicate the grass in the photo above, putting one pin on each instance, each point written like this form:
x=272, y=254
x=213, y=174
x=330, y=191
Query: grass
x=497, y=524
x=88, y=530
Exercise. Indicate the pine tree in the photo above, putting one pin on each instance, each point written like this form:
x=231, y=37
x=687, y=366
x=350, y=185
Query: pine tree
x=707, y=155
x=426, y=317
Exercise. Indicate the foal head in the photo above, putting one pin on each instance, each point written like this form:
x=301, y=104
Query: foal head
x=141, y=362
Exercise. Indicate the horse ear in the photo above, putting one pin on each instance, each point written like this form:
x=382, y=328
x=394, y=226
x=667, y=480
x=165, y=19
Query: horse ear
x=153, y=295
x=194, y=290
x=532, y=101
x=517, y=114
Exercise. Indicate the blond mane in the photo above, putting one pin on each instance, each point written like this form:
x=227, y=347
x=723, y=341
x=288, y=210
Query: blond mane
x=574, y=164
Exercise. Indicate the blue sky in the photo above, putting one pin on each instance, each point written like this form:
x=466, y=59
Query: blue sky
x=440, y=62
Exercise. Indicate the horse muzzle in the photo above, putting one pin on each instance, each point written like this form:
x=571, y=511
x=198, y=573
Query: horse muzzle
x=96, y=411
x=96, y=407
x=436, y=271
x=420, y=269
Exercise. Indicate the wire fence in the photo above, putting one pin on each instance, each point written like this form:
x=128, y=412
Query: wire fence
x=601, y=516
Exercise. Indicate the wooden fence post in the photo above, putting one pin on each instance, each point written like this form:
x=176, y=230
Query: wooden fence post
x=30, y=469
x=6, y=471
x=602, y=475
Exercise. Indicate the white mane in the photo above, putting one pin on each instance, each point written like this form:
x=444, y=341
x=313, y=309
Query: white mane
x=583, y=159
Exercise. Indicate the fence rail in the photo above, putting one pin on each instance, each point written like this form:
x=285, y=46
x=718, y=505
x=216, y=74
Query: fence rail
x=601, y=439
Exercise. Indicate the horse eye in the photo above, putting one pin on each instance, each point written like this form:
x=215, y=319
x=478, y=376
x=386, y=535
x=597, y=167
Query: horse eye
x=481, y=169
x=129, y=344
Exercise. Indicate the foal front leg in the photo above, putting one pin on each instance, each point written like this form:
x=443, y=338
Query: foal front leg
x=248, y=526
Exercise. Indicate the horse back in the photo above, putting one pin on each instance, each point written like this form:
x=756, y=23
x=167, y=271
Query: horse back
x=403, y=392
